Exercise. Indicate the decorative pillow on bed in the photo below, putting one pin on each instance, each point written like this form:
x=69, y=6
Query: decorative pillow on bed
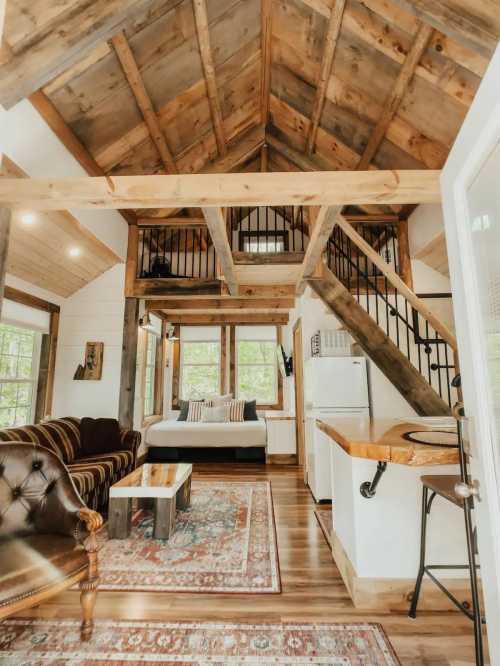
x=219, y=414
x=236, y=410
x=250, y=411
x=184, y=408
x=194, y=411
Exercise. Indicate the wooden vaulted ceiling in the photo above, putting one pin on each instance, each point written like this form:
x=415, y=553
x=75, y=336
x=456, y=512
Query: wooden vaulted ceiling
x=165, y=86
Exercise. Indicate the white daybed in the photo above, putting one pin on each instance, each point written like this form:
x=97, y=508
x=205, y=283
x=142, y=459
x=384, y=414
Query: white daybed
x=184, y=434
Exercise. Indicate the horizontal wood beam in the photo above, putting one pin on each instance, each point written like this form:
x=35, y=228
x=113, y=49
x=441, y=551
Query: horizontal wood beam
x=68, y=138
x=58, y=49
x=224, y=303
x=31, y=301
x=266, y=290
x=185, y=222
x=267, y=258
x=214, y=319
x=325, y=188
x=182, y=287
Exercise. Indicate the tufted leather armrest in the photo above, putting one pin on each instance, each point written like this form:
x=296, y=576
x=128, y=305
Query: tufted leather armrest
x=131, y=440
x=37, y=495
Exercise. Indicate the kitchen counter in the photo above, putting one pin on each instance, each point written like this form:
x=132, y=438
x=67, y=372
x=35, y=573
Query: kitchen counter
x=384, y=439
x=375, y=540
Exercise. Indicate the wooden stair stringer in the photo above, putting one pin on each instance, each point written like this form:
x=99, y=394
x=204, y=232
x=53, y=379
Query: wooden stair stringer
x=378, y=346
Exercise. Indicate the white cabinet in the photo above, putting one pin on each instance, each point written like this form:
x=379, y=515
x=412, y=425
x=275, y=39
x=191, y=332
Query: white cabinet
x=281, y=439
x=318, y=461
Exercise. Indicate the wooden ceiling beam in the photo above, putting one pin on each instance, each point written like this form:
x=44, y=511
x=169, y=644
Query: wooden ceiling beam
x=58, y=49
x=184, y=222
x=265, y=47
x=224, y=303
x=69, y=139
x=331, y=39
x=136, y=83
x=396, y=95
x=217, y=227
x=233, y=318
x=202, y=31
x=320, y=188
x=476, y=32
x=322, y=228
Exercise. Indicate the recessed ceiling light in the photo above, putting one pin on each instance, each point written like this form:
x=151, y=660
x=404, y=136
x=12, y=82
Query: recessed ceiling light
x=74, y=252
x=28, y=218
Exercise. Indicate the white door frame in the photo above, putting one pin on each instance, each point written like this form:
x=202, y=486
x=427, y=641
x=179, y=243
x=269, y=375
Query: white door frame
x=478, y=137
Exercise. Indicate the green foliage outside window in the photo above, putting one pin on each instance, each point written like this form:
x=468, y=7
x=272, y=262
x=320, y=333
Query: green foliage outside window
x=149, y=383
x=257, y=371
x=200, y=368
x=17, y=350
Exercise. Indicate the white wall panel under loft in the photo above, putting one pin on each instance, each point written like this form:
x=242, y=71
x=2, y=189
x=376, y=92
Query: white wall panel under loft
x=17, y=314
x=204, y=333
x=256, y=333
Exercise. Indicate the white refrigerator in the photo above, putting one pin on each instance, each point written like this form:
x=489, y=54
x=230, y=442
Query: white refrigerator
x=334, y=386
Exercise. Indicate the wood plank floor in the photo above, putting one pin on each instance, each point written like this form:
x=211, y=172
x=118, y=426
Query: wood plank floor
x=312, y=587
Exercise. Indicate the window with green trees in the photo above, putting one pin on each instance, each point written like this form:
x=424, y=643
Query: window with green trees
x=19, y=349
x=200, y=369
x=149, y=378
x=256, y=371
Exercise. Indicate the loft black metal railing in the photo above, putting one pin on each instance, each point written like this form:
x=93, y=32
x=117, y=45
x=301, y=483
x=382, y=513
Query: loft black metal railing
x=270, y=229
x=176, y=252
x=414, y=336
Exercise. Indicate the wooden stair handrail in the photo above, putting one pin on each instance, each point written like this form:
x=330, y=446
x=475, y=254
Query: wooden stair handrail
x=397, y=282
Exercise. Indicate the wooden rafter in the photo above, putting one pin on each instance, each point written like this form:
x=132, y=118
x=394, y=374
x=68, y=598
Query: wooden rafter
x=136, y=83
x=395, y=98
x=217, y=227
x=202, y=31
x=321, y=188
x=69, y=139
x=265, y=47
x=59, y=49
x=474, y=32
x=331, y=39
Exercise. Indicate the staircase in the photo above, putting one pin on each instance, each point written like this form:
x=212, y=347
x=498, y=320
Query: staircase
x=414, y=350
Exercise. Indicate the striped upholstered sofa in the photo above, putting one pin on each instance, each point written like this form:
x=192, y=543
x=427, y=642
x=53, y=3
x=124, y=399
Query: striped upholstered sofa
x=92, y=475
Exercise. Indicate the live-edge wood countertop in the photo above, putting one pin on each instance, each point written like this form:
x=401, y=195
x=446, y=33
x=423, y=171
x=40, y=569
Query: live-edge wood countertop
x=382, y=439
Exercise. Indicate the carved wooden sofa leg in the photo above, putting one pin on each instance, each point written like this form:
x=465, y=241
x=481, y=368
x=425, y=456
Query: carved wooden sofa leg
x=88, y=586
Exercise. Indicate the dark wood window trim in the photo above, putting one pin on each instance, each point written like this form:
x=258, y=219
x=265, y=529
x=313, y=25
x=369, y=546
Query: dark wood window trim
x=159, y=377
x=47, y=367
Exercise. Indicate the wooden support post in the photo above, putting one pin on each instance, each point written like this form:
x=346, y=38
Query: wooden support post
x=404, y=259
x=264, y=158
x=132, y=257
x=53, y=337
x=4, y=246
x=129, y=363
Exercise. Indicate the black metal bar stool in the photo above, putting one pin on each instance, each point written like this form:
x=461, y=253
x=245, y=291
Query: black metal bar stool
x=458, y=491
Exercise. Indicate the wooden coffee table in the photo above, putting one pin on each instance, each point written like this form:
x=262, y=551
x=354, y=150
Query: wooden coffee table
x=162, y=487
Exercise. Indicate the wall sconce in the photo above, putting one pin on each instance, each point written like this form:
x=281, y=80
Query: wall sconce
x=145, y=323
x=170, y=334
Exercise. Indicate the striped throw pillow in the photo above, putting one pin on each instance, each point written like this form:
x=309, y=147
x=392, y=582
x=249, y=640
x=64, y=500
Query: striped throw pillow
x=236, y=410
x=194, y=411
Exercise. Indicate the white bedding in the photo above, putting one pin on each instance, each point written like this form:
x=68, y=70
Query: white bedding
x=184, y=434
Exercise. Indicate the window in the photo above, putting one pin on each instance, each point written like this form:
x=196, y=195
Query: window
x=149, y=375
x=200, y=369
x=19, y=352
x=256, y=364
x=264, y=241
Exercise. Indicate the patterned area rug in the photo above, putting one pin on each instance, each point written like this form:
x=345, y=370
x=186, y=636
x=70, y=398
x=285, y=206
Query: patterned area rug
x=224, y=542
x=41, y=642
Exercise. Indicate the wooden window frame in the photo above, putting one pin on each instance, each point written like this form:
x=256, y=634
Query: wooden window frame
x=176, y=363
x=278, y=406
x=159, y=376
x=47, y=363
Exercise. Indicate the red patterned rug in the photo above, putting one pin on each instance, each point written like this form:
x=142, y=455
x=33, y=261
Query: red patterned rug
x=224, y=542
x=42, y=642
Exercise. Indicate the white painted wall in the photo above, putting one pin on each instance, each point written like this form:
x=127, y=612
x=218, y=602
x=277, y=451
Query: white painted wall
x=27, y=139
x=424, y=224
x=94, y=313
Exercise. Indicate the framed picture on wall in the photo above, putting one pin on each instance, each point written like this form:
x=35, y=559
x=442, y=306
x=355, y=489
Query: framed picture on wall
x=92, y=369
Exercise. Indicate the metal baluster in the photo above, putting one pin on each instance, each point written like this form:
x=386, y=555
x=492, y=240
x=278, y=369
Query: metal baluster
x=141, y=245
x=149, y=246
x=200, y=246
x=407, y=331
x=448, y=381
x=302, y=228
x=164, y=235
x=427, y=347
x=436, y=336
x=386, y=306
x=394, y=253
x=292, y=229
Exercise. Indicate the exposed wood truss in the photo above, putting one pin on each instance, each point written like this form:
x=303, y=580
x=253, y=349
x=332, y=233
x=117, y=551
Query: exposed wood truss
x=217, y=226
x=391, y=104
x=225, y=303
x=331, y=39
x=201, y=19
x=208, y=190
x=131, y=71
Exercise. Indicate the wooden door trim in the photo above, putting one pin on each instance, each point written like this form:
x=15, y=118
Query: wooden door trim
x=299, y=362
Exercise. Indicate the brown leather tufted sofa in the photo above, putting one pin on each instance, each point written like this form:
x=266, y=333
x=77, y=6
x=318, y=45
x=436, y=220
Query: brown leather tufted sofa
x=47, y=534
